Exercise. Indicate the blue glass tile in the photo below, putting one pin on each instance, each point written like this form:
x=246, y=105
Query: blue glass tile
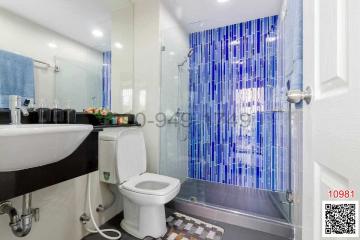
x=233, y=71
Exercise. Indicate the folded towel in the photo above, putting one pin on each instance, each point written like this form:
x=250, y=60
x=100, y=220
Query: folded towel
x=16, y=77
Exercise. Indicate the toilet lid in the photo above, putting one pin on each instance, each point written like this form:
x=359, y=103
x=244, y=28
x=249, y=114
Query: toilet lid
x=151, y=184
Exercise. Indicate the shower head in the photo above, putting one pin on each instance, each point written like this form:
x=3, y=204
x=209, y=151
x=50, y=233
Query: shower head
x=190, y=53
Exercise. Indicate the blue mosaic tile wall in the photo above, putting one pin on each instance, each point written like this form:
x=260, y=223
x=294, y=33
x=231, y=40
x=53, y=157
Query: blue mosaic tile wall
x=238, y=118
x=106, y=80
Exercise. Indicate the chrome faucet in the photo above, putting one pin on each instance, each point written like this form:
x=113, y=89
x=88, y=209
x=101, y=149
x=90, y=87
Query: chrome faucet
x=16, y=109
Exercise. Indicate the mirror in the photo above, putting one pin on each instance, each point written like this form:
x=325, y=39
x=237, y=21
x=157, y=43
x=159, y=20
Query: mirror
x=70, y=43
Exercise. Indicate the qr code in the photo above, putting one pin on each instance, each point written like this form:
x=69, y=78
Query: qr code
x=340, y=219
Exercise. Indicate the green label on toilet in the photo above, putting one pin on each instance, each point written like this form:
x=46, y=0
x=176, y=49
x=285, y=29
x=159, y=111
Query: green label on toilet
x=106, y=176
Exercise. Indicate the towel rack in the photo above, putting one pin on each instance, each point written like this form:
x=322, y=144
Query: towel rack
x=55, y=67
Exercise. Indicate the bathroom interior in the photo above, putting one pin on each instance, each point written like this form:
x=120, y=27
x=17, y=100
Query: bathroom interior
x=127, y=108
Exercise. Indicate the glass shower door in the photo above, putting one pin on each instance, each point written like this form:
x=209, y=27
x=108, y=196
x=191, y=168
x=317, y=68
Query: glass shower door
x=174, y=105
x=231, y=147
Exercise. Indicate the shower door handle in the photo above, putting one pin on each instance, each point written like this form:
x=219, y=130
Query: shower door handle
x=296, y=96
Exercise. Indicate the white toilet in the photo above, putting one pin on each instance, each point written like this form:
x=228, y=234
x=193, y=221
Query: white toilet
x=122, y=161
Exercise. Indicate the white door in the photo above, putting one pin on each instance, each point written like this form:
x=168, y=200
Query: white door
x=332, y=119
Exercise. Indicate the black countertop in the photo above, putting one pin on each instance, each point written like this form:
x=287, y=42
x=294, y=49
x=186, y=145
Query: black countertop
x=81, y=118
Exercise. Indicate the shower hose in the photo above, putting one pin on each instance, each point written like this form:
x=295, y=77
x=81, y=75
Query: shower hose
x=97, y=229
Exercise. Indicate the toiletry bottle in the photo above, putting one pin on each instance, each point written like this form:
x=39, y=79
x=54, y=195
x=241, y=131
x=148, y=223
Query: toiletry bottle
x=44, y=113
x=57, y=114
x=69, y=114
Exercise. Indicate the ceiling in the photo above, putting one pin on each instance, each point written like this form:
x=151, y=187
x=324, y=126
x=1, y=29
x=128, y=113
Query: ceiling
x=75, y=19
x=198, y=15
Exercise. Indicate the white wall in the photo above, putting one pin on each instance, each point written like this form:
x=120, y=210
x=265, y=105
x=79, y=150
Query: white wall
x=147, y=73
x=122, y=78
x=60, y=205
x=136, y=68
x=29, y=39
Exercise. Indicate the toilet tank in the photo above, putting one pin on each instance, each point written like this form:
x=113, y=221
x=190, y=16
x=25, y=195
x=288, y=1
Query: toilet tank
x=122, y=154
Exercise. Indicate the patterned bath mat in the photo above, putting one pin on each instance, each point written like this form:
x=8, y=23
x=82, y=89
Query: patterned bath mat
x=183, y=227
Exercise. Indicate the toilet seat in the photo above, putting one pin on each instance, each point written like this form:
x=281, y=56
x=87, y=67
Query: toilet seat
x=151, y=184
x=144, y=199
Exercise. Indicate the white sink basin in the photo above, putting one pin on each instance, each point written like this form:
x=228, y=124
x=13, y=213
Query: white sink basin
x=33, y=145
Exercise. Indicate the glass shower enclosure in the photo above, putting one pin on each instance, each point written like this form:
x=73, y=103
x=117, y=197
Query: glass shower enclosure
x=227, y=132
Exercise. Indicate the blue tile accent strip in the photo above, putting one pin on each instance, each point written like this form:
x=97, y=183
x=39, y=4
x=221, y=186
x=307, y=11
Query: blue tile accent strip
x=106, y=80
x=238, y=118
